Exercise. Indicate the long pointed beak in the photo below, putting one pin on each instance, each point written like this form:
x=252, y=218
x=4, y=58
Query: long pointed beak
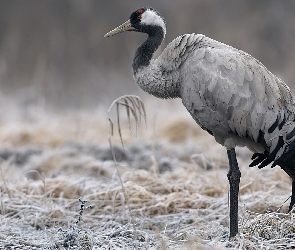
x=123, y=27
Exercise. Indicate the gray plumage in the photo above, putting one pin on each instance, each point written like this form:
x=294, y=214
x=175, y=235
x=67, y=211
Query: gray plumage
x=229, y=93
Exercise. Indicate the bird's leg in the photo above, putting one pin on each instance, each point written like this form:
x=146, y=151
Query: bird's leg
x=293, y=196
x=233, y=176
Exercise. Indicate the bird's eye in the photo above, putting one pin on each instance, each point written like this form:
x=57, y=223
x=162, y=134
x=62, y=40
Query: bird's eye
x=139, y=17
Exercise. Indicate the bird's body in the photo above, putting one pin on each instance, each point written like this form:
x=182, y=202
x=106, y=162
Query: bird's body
x=229, y=94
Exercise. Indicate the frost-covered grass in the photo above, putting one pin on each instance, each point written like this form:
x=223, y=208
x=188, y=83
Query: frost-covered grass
x=173, y=174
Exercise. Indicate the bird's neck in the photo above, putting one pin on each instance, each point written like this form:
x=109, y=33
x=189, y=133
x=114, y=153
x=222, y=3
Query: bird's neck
x=151, y=75
x=146, y=50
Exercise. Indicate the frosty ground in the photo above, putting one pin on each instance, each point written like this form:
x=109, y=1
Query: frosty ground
x=168, y=190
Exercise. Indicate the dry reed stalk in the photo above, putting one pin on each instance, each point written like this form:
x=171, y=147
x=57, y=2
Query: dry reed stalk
x=134, y=109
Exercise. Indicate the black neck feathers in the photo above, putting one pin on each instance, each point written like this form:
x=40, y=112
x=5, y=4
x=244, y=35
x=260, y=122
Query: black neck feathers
x=146, y=50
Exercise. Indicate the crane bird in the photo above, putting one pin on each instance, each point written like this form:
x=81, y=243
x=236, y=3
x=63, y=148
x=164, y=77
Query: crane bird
x=229, y=93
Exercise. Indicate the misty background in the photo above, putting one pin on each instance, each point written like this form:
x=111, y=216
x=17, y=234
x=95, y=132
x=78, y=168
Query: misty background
x=53, y=53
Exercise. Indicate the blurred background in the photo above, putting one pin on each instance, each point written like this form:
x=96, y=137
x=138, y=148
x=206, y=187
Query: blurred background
x=53, y=53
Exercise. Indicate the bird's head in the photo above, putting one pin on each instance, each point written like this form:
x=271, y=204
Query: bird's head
x=145, y=20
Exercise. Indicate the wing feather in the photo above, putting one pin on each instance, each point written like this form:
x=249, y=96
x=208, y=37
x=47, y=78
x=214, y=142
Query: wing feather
x=229, y=93
x=235, y=93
